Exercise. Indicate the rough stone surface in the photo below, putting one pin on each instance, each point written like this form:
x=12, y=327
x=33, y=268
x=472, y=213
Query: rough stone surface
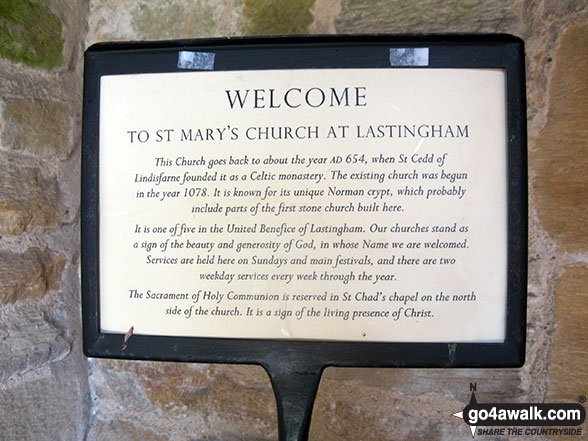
x=162, y=19
x=208, y=402
x=540, y=320
x=325, y=13
x=124, y=430
x=73, y=16
x=396, y=16
x=358, y=411
x=19, y=82
x=28, y=275
x=562, y=159
x=41, y=128
x=43, y=405
x=495, y=384
x=415, y=404
x=30, y=33
x=569, y=358
x=29, y=197
x=28, y=339
x=277, y=17
x=561, y=8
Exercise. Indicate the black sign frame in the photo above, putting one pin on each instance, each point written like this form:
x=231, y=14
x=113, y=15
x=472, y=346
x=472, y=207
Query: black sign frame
x=295, y=366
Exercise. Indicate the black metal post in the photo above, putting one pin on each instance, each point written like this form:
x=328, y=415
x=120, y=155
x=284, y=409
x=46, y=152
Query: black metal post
x=295, y=389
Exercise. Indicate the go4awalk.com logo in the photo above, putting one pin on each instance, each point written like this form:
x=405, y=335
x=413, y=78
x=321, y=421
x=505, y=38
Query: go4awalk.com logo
x=516, y=419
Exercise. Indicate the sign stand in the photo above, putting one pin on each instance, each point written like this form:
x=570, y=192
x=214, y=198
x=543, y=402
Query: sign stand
x=295, y=391
x=304, y=202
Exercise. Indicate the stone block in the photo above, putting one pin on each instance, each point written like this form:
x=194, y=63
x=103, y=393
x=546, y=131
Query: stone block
x=568, y=373
x=561, y=8
x=560, y=159
x=37, y=127
x=162, y=19
x=345, y=412
x=28, y=340
x=30, y=33
x=493, y=384
x=210, y=401
x=277, y=17
x=43, y=405
x=397, y=16
x=416, y=404
x=29, y=275
x=73, y=16
x=29, y=197
x=123, y=430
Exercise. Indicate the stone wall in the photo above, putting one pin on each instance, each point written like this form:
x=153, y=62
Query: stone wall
x=49, y=391
x=44, y=393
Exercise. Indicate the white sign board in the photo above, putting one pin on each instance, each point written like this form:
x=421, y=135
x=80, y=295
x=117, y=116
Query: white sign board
x=340, y=204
